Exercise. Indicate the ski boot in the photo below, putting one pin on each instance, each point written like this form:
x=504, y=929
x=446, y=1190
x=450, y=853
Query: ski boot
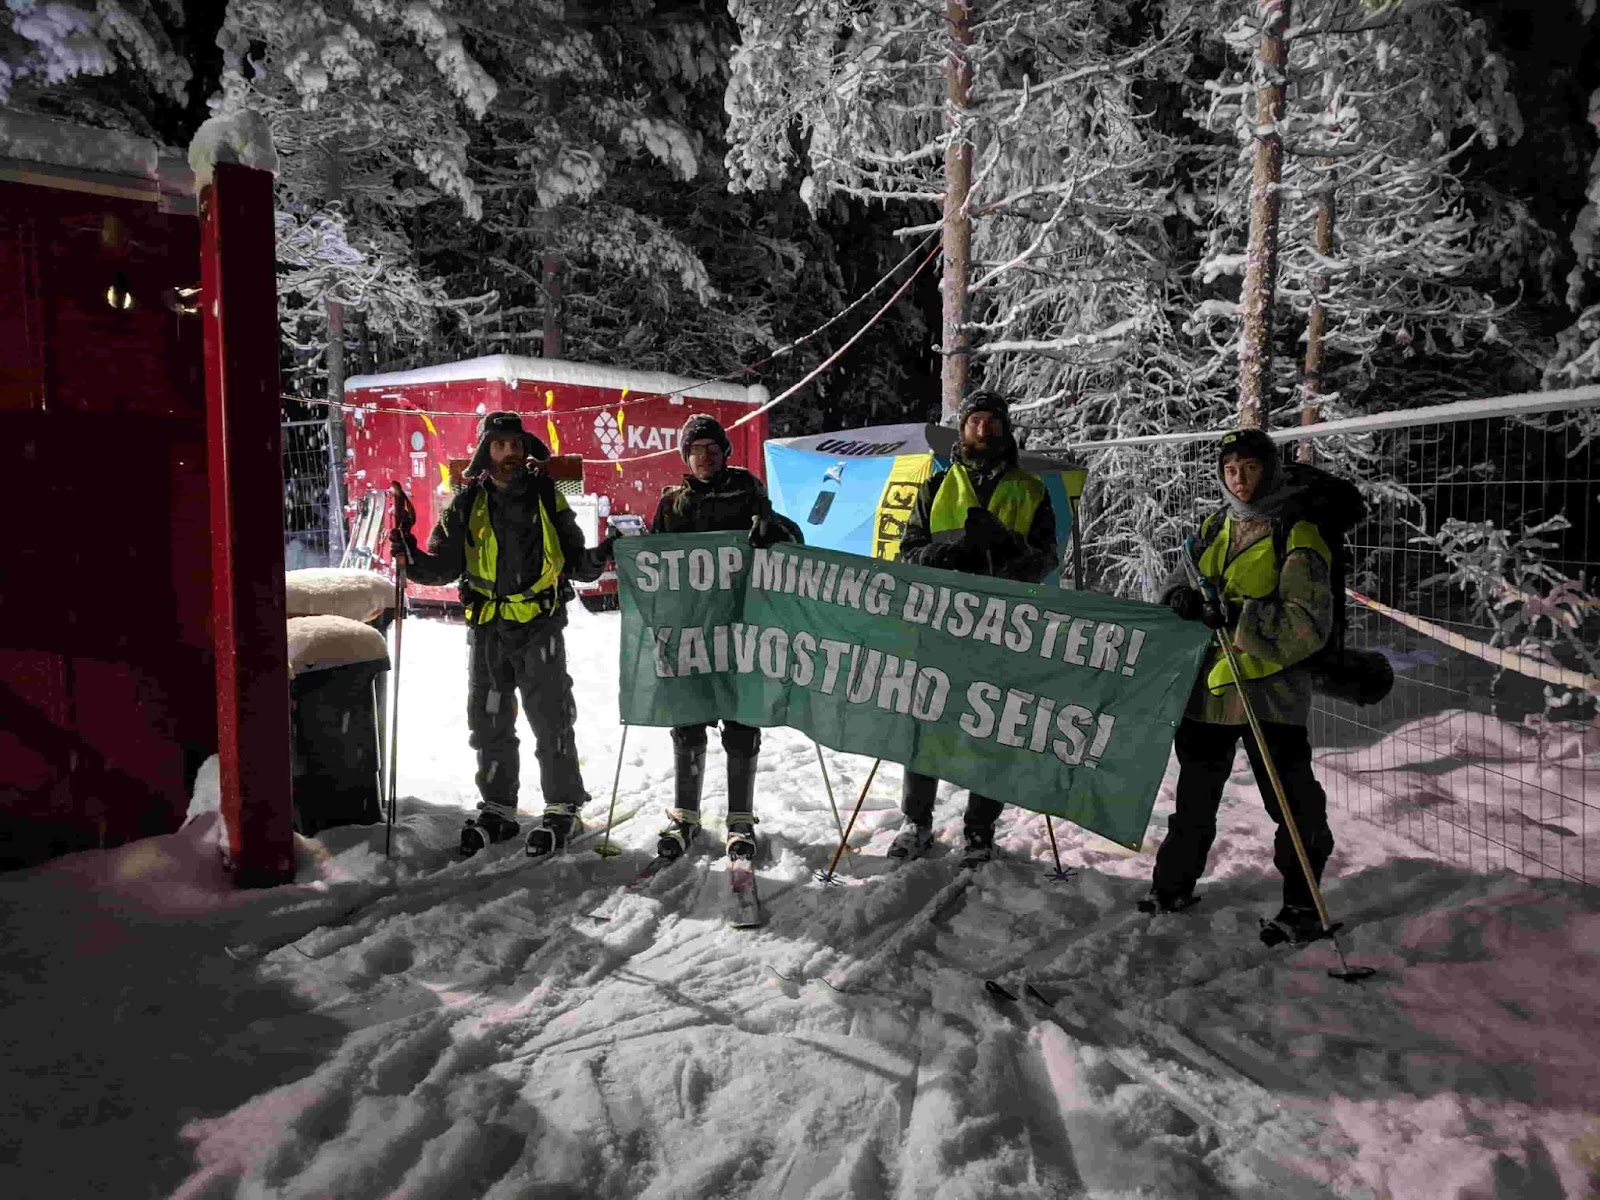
x=684, y=827
x=979, y=844
x=1295, y=924
x=560, y=825
x=741, y=805
x=742, y=835
x=913, y=841
x=1167, y=902
x=485, y=829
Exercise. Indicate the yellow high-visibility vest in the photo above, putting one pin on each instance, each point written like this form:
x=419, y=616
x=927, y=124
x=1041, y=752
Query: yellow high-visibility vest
x=1252, y=575
x=483, y=553
x=1016, y=498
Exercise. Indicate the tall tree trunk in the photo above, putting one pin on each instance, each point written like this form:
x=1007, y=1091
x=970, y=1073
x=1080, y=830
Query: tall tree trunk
x=333, y=361
x=551, y=269
x=955, y=340
x=1261, y=263
x=1311, y=386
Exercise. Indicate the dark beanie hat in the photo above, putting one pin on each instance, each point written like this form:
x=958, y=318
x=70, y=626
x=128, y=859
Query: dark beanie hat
x=697, y=429
x=1251, y=443
x=503, y=424
x=989, y=402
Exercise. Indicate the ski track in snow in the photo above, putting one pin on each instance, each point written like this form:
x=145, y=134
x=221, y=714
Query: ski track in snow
x=439, y=1029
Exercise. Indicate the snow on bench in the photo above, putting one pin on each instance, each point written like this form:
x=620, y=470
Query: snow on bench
x=317, y=643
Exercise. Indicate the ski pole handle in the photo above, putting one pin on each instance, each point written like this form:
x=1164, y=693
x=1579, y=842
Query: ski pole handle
x=1191, y=567
x=404, y=518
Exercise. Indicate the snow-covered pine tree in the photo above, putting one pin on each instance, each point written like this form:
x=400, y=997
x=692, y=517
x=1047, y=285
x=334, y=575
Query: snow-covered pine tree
x=1072, y=298
x=44, y=44
x=1384, y=103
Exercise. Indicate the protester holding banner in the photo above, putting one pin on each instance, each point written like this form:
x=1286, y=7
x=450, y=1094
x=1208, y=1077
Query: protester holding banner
x=509, y=537
x=716, y=497
x=983, y=516
x=1277, y=606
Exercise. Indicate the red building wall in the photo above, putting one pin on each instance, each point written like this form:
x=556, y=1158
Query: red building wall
x=107, y=696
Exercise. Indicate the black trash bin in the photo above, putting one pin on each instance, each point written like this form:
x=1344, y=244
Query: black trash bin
x=337, y=745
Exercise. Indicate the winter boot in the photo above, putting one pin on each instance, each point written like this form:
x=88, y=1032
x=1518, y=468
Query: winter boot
x=485, y=829
x=1295, y=924
x=741, y=835
x=913, y=841
x=741, y=806
x=560, y=825
x=1167, y=902
x=682, y=828
x=689, y=764
x=979, y=843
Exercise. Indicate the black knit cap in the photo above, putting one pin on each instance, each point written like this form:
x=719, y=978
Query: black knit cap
x=1250, y=443
x=698, y=428
x=989, y=402
x=503, y=424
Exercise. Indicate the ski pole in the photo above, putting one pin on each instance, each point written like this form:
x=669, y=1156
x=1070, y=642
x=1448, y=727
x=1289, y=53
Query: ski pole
x=605, y=849
x=1349, y=974
x=400, y=504
x=828, y=784
x=827, y=876
x=1058, y=875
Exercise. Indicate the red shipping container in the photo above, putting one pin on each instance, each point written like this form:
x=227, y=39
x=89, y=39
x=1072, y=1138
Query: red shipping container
x=612, y=432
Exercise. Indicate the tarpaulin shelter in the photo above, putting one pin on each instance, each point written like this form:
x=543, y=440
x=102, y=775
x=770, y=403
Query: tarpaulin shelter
x=853, y=490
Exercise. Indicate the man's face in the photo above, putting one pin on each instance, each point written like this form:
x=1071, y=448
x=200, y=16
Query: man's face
x=706, y=458
x=1242, y=476
x=982, y=431
x=508, y=455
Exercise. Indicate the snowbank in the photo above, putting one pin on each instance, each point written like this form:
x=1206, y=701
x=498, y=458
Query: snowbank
x=435, y=1028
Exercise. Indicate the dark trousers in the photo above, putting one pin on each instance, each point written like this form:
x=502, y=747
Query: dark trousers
x=504, y=659
x=740, y=741
x=918, y=792
x=1205, y=760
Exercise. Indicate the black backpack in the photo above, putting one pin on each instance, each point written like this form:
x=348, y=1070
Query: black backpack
x=1335, y=506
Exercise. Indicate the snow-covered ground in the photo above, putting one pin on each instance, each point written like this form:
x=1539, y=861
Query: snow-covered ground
x=430, y=1028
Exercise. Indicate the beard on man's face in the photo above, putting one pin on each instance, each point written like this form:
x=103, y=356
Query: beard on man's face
x=977, y=445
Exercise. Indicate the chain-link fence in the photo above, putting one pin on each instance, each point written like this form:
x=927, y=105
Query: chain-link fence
x=305, y=494
x=1475, y=575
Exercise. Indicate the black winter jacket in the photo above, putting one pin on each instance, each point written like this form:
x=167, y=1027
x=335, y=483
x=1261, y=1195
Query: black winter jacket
x=513, y=514
x=729, y=501
x=1027, y=558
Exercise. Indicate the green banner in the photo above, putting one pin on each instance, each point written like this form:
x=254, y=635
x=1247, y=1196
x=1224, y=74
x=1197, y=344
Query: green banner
x=1064, y=702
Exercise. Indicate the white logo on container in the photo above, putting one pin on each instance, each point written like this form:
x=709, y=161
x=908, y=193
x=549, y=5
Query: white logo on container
x=608, y=435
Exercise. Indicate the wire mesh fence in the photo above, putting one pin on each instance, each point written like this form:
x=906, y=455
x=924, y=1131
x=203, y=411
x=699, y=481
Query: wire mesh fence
x=1475, y=575
x=305, y=495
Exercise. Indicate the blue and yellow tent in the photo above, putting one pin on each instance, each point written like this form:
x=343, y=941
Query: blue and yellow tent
x=853, y=490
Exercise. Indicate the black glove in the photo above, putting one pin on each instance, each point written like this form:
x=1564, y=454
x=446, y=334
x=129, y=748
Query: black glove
x=947, y=556
x=766, y=532
x=1219, y=614
x=605, y=548
x=984, y=532
x=405, y=516
x=1186, y=603
x=402, y=545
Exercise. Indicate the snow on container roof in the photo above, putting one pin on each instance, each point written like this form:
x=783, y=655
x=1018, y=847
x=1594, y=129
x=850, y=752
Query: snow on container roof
x=82, y=158
x=514, y=368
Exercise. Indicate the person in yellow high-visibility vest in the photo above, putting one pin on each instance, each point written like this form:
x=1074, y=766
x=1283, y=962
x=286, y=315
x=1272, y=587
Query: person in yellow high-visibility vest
x=509, y=538
x=984, y=516
x=1276, y=604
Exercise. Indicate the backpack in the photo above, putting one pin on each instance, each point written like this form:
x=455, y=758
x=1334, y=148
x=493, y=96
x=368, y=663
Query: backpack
x=1335, y=506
